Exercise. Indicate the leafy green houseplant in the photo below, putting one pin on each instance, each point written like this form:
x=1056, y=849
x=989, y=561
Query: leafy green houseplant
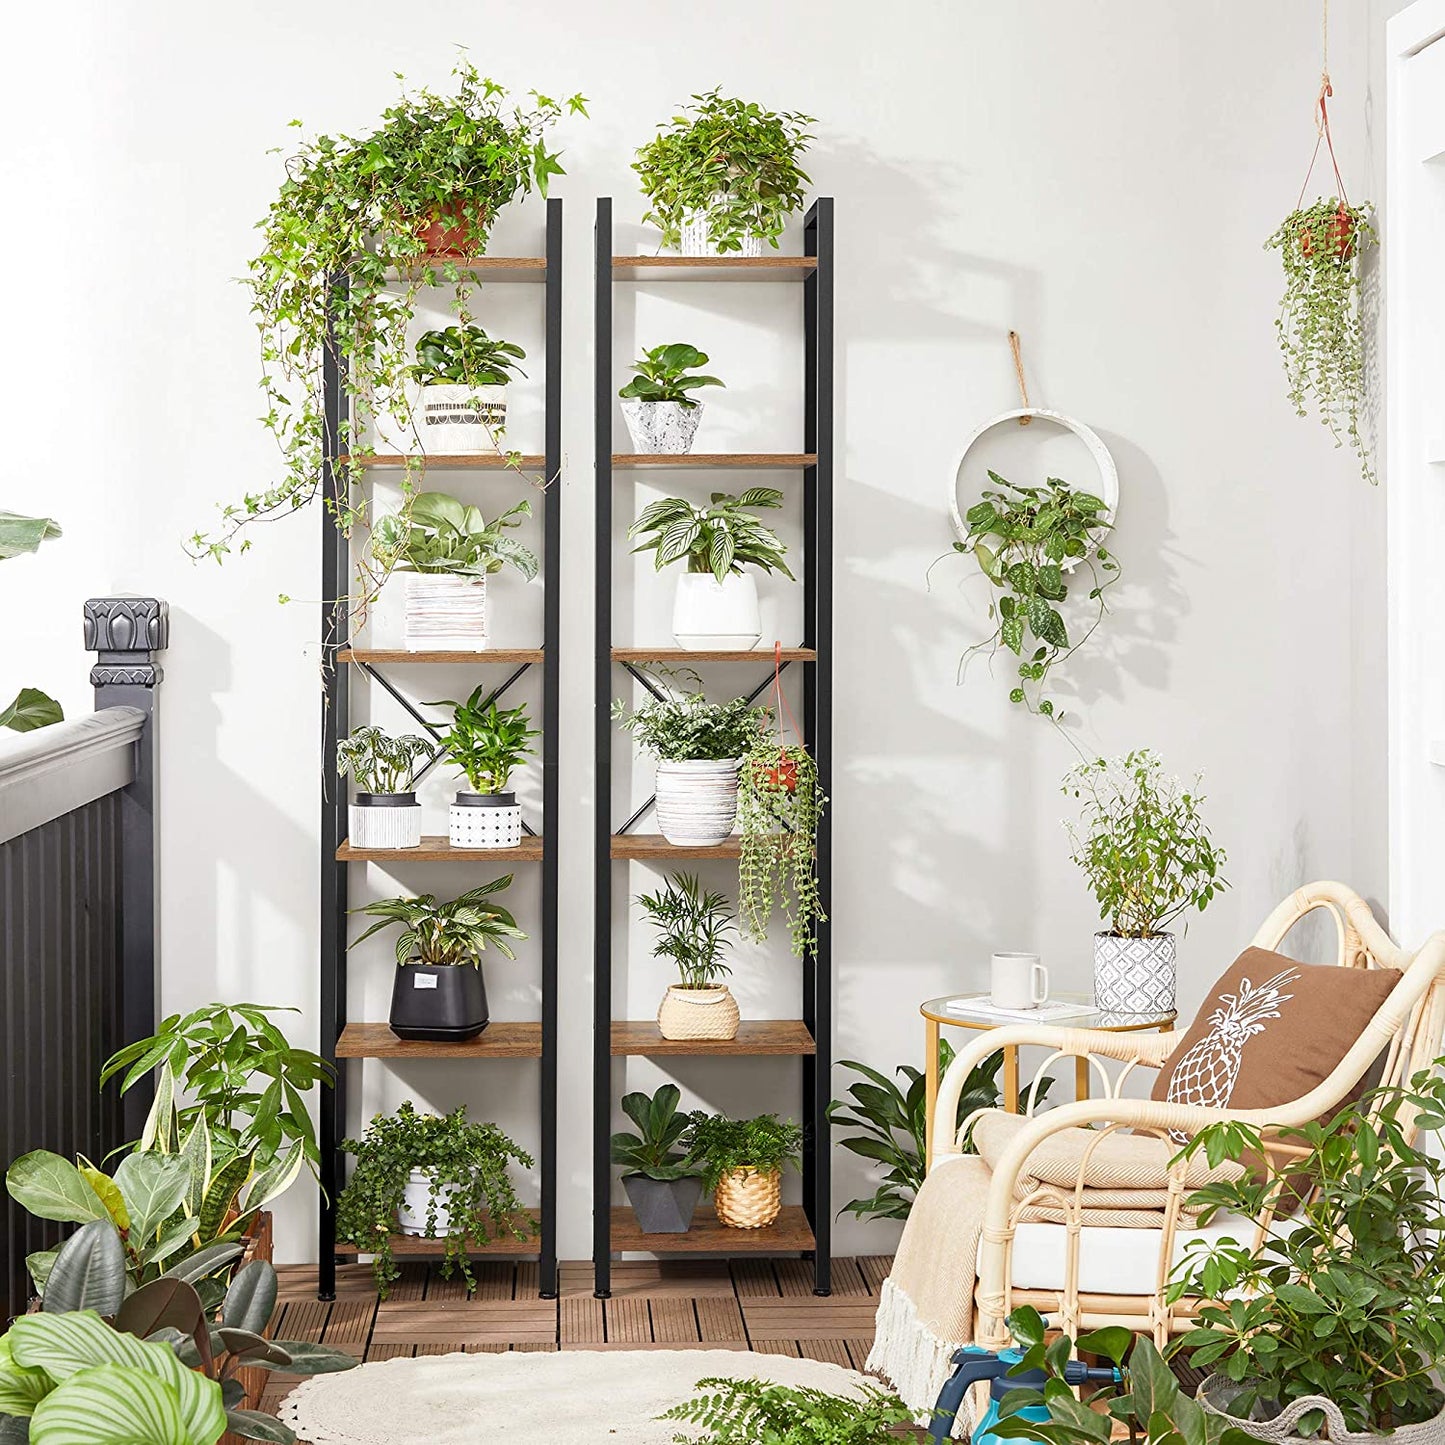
x=743, y=1412
x=695, y=929
x=463, y=375
x=1028, y=542
x=434, y=1175
x=724, y=176
x=1340, y=1301
x=662, y=1184
x=661, y=413
x=384, y=812
x=372, y=212
x=442, y=943
x=742, y=1163
x=1321, y=331
x=1149, y=858
x=487, y=744
x=29, y=708
x=466, y=356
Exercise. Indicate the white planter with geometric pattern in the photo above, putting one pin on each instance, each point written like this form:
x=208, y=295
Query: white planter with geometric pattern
x=697, y=239
x=451, y=418
x=1134, y=975
x=484, y=820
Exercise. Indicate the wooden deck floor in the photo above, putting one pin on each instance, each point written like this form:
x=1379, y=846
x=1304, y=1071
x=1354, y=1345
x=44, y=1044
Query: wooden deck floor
x=766, y=1305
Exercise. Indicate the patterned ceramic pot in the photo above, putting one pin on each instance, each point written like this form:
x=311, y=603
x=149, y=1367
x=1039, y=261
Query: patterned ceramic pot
x=485, y=820
x=748, y=1198
x=384, y=820
x=662, y=427
x=697, y=801
x=709, y=614
x=454, y=418
x=698, y=1013
x=696, y=240
x=1134, y=975
x=445, y=613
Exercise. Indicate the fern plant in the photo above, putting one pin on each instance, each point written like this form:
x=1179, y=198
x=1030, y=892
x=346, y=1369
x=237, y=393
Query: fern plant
x=745, y=1412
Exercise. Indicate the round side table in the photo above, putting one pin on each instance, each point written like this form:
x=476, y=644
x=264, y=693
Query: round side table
x=935, y=1014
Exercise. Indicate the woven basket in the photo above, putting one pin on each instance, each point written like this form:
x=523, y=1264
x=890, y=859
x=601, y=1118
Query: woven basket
x=748, y=1199
x=698, y=1013
x=1216, y=1392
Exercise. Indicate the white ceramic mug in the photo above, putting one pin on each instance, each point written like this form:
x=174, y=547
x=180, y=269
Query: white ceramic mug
x=1018, y=980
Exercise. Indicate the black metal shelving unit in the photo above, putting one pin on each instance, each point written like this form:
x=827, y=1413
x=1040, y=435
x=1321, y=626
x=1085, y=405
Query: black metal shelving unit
x=804, y=1229
x=342, y=1039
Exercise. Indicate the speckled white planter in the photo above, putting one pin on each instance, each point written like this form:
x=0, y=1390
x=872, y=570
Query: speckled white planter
x=452, y=418
x=384, y=820
x=445, y=613
x=697, y=801
x=1134, y=975
x=411, y=1217
x=724, y=615
x=662, y=427
x=695, y=240
x=485, y=820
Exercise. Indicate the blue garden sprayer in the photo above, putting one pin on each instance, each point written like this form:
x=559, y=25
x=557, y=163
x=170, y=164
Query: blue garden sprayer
x=972, y=1365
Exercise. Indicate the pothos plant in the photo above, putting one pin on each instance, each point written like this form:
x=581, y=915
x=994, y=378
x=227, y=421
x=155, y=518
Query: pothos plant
x=1028, y=541
x=1320, y=328
x=343, y=260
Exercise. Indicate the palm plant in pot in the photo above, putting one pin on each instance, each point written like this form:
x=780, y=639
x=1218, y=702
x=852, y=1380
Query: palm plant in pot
x=698, y=746
x=439, y=992
x=463, y=375
x=488, y=744
x=742, y=1162
x=724, y=176
x=694, y=926
x=1149, y=858
x=716, y=605
x=662, y=1184
x=385, y=812
x=448, y=550
x=661, y=414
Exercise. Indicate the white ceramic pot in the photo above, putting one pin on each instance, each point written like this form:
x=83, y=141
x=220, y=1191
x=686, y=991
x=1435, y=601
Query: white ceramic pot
x=485, y=820
x=454, y=418
x=707, y=613
x=662, y=427
x=697, y=800
x=696, y=242
x=384, y=820
x=698, y=1013
x=411, y=1217
x=1134, y=975
x=445, y=613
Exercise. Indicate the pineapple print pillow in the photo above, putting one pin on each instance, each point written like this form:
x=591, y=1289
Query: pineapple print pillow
x=1270, y=1031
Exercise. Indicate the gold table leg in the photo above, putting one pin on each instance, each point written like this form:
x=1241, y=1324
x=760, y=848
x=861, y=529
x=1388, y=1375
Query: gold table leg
x=1011, y=1079
x=930, y=1095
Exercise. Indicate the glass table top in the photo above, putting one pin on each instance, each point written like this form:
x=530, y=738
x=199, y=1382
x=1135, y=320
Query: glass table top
x=1091, y=1018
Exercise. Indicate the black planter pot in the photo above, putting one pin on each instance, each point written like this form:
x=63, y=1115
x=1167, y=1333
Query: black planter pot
x=438, y=1001
x=663, y=1206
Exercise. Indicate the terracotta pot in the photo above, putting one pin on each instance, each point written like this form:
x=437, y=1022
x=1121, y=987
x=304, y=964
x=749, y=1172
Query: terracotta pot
x=1341, y=235
x=444, y=233
x=783, y=774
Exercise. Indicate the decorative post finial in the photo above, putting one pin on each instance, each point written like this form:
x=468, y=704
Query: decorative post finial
x=126, y=633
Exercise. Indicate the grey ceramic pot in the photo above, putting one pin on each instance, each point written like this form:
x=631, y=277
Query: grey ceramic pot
x=663, y=1206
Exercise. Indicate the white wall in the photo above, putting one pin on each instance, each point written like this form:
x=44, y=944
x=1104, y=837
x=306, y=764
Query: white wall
x=1100, y=176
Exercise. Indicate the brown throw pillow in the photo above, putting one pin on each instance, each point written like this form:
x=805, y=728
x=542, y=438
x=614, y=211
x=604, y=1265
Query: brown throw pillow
x=1270, y=1031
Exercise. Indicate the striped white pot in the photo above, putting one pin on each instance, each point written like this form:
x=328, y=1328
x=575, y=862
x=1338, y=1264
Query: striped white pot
x=696, y=242
x=454, y=418
x=416, y=1196
x=445, y=613
x=485, y=820
x=707, y=613
x=384, y=820
x=1134, y=975
x=697, y=800
x=662, y=427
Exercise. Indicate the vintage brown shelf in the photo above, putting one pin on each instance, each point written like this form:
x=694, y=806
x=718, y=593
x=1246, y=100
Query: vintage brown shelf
x=699, y=461
x=499, y=1040
x=487, y=461
x=437, y=848
x=755, y=1037
x=416, y=1244
x=713, y=268
x=484, y=268
x=509, y=655
x=654, y=845
x=738, y=654
x=789, y=1234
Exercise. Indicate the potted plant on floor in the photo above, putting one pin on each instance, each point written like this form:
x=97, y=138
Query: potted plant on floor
x=662, y=1185
x=660, y=414
x=433, y=1175
x=448, y=550
x=487, y=744
x=384, y=812
x=743, y=1162
x=698, y=746
x=694, y=926
x=724, y=176
x=439, y=991
x=716, y=605
x=463, y=375
x=1149, y=858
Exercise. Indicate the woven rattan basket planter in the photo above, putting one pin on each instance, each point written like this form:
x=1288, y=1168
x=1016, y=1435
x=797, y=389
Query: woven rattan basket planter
x=698, y=1013
x=747, y=1199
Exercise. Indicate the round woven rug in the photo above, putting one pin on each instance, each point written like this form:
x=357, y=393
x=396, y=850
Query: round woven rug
x=567, y=1397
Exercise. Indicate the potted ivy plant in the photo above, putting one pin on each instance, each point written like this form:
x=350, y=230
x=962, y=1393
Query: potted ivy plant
x=699, y=746
x=742, y=1162
x=1149, y=858
x=439, y=1176
x=662, y=1184
x=488, y=744
x=694, y=931
x=463, y=375
x=439, y=991
x=724, y=176
x=716, y=604
x=385, y=812
x=660, y=412
x=448, y=549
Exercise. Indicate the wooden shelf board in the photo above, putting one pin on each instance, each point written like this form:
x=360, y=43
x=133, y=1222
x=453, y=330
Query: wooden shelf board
x=490, y=461
x=789, y=1234
x=713, y=268
x=735, y=461
x=499, y=1040
x=683, y=654
x=437, y=848
x=654, y=845
x=755, y=1037
x=509, y=655
x=487, y=268
x=415, y=1244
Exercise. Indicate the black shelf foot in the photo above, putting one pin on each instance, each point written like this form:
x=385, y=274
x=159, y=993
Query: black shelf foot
x=326, y=1297
x=601, y=1294
x=823, y=1293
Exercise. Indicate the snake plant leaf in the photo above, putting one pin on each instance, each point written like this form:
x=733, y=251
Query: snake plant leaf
x=30, y=709
x=277, y=1178
x=154, y=1187
x=221, y=1195
x=53, y=1188
x=204, y=1262
x=89, y=1271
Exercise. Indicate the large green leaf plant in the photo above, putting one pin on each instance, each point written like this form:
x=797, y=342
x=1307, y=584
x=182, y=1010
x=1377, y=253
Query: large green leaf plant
x=29, y=708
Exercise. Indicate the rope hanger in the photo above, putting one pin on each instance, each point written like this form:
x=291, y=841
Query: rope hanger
x=1016, y=346
x=1322, y=114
